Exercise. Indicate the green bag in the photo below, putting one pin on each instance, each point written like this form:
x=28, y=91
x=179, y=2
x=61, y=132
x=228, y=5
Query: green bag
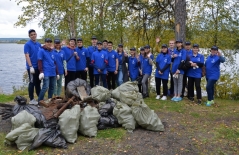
x=124, y=115
x=125, y=87
x=69, y=122
x=146, y=117
x=100, y=93
x=88, y=121
x=21, y=118
x=129, y=97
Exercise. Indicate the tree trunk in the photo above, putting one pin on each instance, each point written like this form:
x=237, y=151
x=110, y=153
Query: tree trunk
x=180, y=19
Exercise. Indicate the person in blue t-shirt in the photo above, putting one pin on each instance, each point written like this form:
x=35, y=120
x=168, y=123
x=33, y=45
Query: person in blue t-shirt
x=212, y=65
x=163, y=62
x=112, y=68
x=105, y=45
x=71, y=58
x=179, y=57
x=31, y=49
x=99, y=60
x=61, y=66
x=81, y=65
x=147, y=62
x=194, y=74
x=133, y=65
x=91, y=49
x=48, y=69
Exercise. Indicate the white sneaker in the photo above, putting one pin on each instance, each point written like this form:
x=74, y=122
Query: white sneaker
x=164, y=98
x=157, y=97
x=33, y=102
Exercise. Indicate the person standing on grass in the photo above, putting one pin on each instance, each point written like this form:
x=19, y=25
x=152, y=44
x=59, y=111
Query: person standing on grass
x=71, y=58
x=81, y=65
x=163, y=62
x=212, y=65
x=112, y=68
x=194, y=74
x=61, y=66
x=122, y=69
x=133, y=65
x=171, y=50
x=179, y=57
x=140, y=69
x=31, y=49
x=91, y=49
x=99, y=60
x=185, y=78
x=147, y=62
x=48, y=69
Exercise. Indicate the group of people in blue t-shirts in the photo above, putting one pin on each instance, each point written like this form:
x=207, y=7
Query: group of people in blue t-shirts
x=109, y=67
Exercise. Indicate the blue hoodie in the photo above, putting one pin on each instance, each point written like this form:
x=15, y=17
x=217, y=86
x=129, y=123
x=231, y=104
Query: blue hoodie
x=212, y=65
x=163, y=59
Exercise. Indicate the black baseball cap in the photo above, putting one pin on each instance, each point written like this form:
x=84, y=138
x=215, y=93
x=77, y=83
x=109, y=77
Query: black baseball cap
x=142, y=49
x=187, y=43
x=214, y=48
x=132, y=49
x=57, y=41
x=79, y=39
x=93, y=37
x=179, y=41
x=48, y=40
x=196, y=45
x=146, y=46
x=164, y=46
x=120, y=45
x=31, y=30
x=99, y=42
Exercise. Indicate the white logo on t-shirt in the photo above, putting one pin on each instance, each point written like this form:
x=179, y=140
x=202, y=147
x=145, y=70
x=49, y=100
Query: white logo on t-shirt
x=52, y=56
x=61, y=55
x=180, y=54
x=113, y=56
x=133, y=62
x=212, y=61
x=165, y=60
x=102, y=56
x=198, y=59
x=83, y=53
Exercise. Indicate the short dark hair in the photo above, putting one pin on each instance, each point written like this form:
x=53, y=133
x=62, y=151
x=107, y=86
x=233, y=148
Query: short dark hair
x=105, y=41
x=110, y=42
x=30, y=31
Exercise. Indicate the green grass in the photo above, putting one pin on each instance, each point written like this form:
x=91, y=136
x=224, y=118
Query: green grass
x=10, y=98
x=114, y=133
x=229, y=133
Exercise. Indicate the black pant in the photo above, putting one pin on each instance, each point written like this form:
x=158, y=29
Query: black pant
x=111, y=77
x=69, y=77
x=197, y=82
x=91, y=75
x=185, y=83
x=34, y=82
x=158, y=85
x=171, y=89
x=81, y=75
x=140, y=88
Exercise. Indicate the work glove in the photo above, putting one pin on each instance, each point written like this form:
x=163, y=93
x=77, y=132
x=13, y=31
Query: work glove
x=32, y=70
x=41, y=76
x=58, y=77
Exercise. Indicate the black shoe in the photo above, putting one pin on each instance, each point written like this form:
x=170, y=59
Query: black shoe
x=145, y=95
x=191, y=99
x=199, y=102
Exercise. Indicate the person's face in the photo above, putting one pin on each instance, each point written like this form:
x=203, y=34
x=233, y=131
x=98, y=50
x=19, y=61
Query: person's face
x=195, y=50
x=142, y=52
x=57, y=46
x=48, y=44
x=171, y=44
x=120, y=49
x=147, y=50
x=99, y=46
x=187, y=47
x=179, y=44
x=79, y=43
x=105, y=44
x=110, y=46
x=164, y=50
x=132, y=52
x=72, y=43
x=93, y=41
x=33, y=36
x=213, y=52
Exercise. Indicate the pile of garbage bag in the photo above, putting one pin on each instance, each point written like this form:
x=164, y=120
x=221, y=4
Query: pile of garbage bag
x=124, y=107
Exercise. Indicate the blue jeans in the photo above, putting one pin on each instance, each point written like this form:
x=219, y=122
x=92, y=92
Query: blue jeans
x=48, y=82
x=103, y=78
x=120, y=76
x=58, y=86
x=210, y=89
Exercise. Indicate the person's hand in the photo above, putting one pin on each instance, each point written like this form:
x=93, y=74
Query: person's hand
x=32, y=70
x=86, y=69
x=116, y=72
x=160, y=72
x=157, y=40
x=149, y=55
x=98, y=70
x=41, y=76
x=125, y=54
x=190, y=62
x=178, y=71
x=75, y=53
x=57, y=77
x=219, y=54
x=140, y=72
x=175, y=55
x=66, y=72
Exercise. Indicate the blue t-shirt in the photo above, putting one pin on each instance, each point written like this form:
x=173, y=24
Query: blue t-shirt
x=120, y=57
x=48, y=62
x=83, y=54
x=99, y=59
x=177, y=60
x=212, y=65
x=189, y=52
x=163, y=60
x=32, y=49
x=91, y=50
x=146, y=67
x=71, y=64
x=133, y=68
x=197, y=72
x=112, y=57
x=60, y=57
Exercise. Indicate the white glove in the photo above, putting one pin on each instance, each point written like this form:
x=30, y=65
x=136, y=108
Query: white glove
x=41, y=76
x=32, y=70
x=58, y=77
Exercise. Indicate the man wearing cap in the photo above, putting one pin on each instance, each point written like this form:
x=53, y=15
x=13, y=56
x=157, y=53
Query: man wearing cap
x=61, y=66
x=91, y=49
x=212, y=65
x=48, y=69
x=81, y=65
x=112, y=67
x=134, y=63
x=31, y=49
x=71, y=58
x=99, y=60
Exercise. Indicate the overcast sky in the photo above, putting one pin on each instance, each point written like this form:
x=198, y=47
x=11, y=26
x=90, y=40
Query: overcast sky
x=9, y=12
